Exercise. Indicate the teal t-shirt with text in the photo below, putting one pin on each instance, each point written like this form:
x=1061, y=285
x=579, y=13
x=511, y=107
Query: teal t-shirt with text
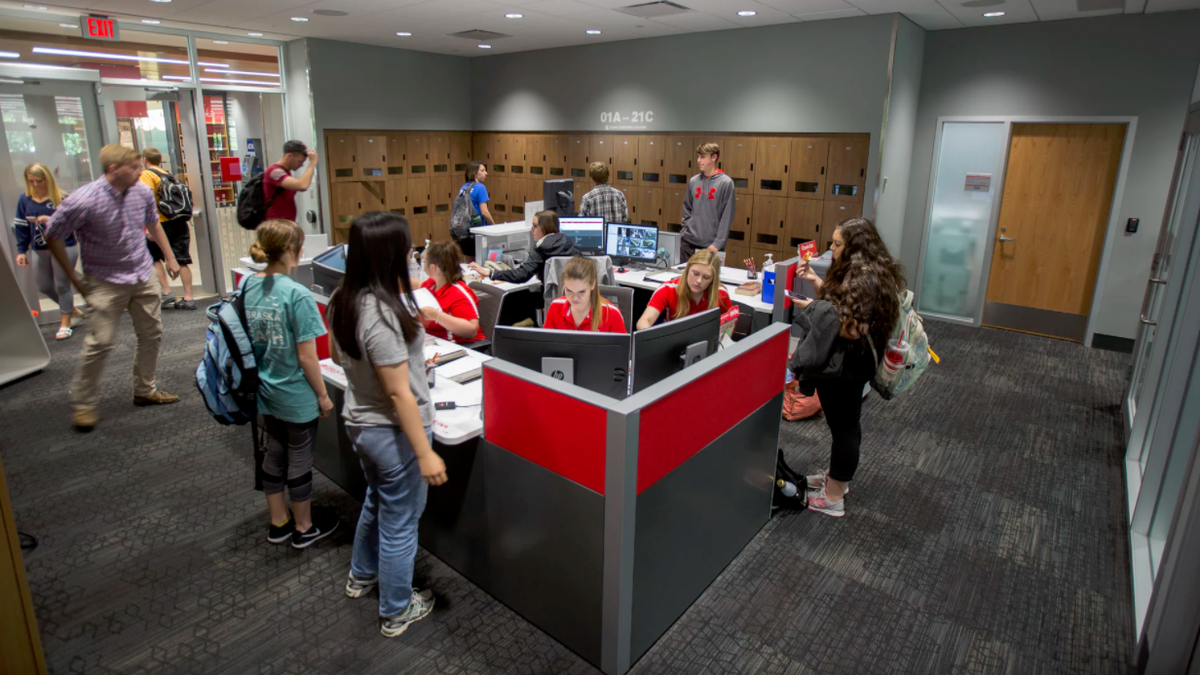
x=281, y=313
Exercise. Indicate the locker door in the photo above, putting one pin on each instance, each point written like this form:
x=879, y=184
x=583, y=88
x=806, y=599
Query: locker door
x=441, y=196
x=578, y=148
x=418, y=197
x=771, y=167
x=514, y=150
x=395, y=196
x=736, y=253
x=737, y=160
x=372, y=195
x=769, y=223
x=807, y=170
x=625, y=160
x=556, y=156
x=342, y=149
x=679, y=160
x=417, y=155
x=460, y=153
x=632, y=201
x=516, y=197
x=803, y=218
x=439, y=153
x=834, y=213
x=397, y=144
x=498, y=151
x=345, y=204
x=672, y=208
x=498, y=195
x=481, y=149
x=421, y=228
x=743, y=212
x=601, y=150
x=372, y=156
x=582, y=187
x=535, y=156
x=650, y=206
x=533, y=190
x=651, y=165
x=848, y=168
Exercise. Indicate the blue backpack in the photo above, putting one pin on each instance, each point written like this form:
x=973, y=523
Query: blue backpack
x=227, y=376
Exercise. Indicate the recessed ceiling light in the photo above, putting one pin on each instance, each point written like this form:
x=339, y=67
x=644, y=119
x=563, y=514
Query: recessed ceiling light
x=592, y=32
x=514, y=16
x=747, y=12
x=220, y=42
x=162, y=1
x=152, y=22
x=301, y=19
x=404, y=34
x=485, y=46
x=992, y=15
x=37, y=7
x=9, y=55
x=255, y=34
x=69, y=25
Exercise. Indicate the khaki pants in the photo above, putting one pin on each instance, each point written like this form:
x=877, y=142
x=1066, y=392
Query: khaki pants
x=106, y=302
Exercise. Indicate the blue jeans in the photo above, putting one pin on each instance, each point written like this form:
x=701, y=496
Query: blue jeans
x=385, y=543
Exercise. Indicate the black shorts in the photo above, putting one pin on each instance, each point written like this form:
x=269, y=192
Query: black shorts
x=467, y=245
x=180, y=239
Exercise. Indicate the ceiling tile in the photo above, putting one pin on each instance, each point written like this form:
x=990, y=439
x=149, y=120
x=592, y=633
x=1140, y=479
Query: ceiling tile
x=766, y=16
x=836, y=14
x=1015, y=11
x=560, y=7
x=695, y=21
x=928, y=14
x=797, y=7
x=228, y=12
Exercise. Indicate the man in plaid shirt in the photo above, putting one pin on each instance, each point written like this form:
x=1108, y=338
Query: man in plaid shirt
x=603, y=201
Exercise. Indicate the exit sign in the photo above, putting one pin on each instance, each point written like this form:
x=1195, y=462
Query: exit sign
x=100, y=28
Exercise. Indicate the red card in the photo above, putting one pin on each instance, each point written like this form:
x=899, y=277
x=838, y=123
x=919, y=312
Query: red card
x=807, y=250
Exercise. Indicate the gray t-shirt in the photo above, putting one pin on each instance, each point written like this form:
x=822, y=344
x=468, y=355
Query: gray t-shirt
x=367, y=402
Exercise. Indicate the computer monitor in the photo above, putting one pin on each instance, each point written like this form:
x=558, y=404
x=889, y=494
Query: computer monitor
x=595, y=361
x=588, y=233
x=558, y=195
x=328, y=269
x=661, y=351
x=625, y=242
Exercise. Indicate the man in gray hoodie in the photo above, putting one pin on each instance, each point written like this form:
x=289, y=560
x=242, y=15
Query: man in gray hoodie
x=707, y=206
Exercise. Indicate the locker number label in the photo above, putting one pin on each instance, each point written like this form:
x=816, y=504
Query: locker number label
x=637, y=119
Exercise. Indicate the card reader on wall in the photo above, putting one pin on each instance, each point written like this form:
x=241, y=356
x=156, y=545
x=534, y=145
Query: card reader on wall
x=1131, y=225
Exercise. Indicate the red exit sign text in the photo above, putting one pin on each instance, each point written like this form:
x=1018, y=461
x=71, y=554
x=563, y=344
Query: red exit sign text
x=100, y=28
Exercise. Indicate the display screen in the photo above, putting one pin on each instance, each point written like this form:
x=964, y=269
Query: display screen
x=588, y=233
x=631, y=241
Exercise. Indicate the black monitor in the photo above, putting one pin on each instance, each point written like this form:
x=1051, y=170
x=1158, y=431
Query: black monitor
x=625, y=242
x=588, y=233
x=592, y=360
x=329, y=268
x=558, y=195
x=661, y=351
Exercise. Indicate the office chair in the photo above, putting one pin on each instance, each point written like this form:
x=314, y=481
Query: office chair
x=623, y=298
x=490, y=301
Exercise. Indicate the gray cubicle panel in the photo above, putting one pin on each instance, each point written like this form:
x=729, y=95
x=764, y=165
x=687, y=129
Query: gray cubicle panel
x=22, y=348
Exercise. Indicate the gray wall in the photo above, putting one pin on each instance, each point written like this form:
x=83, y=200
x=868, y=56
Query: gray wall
x=828, y=76
x=1129, y=65
x=300, y=128
x=896, y=155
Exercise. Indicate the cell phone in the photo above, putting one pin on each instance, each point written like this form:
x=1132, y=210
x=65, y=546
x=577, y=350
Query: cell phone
x=445, y=405
x=798, y=296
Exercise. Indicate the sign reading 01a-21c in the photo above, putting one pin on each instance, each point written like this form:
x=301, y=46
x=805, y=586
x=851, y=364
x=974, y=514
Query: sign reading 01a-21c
x=635, y=117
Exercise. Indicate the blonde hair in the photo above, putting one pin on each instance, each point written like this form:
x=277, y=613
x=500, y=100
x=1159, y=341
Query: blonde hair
x=152, y=155
x=117, y=155
x=598, y=171
x=708, y=149
x=683, y=297
x=583, y=269
x=276, y=238
x=42, y=171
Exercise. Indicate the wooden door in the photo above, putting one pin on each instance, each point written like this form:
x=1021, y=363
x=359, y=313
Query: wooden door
x=421, y=228
x=741, y=230
x=673, y=208
x=737, y=159
x=517, y=197
x=803, y=221
x=345, y=205
x=832, y=214
x=373, y=195
x=679, y=158
x=418, y=155
x=806, y=170
x=514, y=152
x=342, y=148
x=556, y=156
x=769, y=230
x=631, y=201
x=460, y=153
x=419, y=197
x=578, y=148
x=651, y=162
x=1053, y=219
x=397, y=144
x=497, y=187
x=372, y=156
x=650, y=206
x=395, y=196
x=438, y=147
x=533, y=190
x=498, y=152
x=481, y=149
x=441, y=196
x=624, y=161
x=582, y=187
x=848, y=167
x=736, y=253
x=535, y=156
x=771, y=166
x=601, y=150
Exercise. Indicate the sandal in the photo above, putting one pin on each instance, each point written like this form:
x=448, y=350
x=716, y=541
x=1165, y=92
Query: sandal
x=63, y=333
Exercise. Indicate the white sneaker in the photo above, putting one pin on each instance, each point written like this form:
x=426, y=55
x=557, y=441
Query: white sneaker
x=418, y=608
x=816, y=481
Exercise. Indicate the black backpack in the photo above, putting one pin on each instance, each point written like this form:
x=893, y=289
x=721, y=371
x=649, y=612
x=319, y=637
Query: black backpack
x=174, y=198
x=251, y=204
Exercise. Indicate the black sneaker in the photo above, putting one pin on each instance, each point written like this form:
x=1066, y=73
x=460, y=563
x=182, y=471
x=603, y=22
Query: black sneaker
x=280, y=534
x=323, y=525
x=185, y=304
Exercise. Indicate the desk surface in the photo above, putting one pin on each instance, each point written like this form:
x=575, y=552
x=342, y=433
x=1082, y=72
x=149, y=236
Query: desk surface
x=449, y=426
x=730, y=276
x=534, y=284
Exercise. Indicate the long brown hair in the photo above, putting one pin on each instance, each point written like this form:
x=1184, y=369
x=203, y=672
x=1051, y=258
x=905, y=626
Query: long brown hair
x=42, y=171
x=583, y=269
x=864, y=283
x=683, y=295
x=448, y=257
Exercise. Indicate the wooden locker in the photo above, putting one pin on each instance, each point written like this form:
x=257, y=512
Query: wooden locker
x=517, y=197
x=771, y=166
x=582, y=187
x=481, y=149
x=441, y=196
x=807, y=168
x=803, y=219
x=578, y=148
x=848, y=168
x=514, y=151
x=759, y=254
x=737, y=159
x=418, y=189
x=372, y=195
x=625, y=160
x=342, y=150
x=736, y=253
x=769, y=229
x=535, y=156
x=497, y=187
x=397, y=149
x=460, y=153
x=743, y=213
x=421, y=228
x=439, y=227
x=650, y=206
x=632, y=202
x=417, y=154
x=679, y=160
x=438, y=147
x=533, y=190
x=834, y=213
x=345, y=204
x=556, y=156
x=672, y=208
x=498, y=151
x=395, y=196
x=651, y=164
x=600, y=149
x=371, y=152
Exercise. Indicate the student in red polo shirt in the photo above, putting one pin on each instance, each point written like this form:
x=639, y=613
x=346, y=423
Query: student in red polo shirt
x=698, y=290
x=458, y=318
x=581, y=303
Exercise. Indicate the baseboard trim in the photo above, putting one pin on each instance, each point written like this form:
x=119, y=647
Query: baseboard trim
x=1112, y=343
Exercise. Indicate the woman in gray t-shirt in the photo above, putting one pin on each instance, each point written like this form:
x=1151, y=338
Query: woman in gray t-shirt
x=388, y=414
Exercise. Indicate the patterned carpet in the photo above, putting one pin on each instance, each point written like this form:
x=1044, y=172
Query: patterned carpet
x=985, y=534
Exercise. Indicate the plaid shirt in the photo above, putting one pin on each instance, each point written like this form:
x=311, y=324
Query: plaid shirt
x=111, y=228
x=607, y=202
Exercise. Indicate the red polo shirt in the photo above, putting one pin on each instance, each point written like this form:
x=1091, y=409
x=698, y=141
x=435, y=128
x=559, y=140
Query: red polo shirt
x=558, y=317
x=458, y=301
x=665, y=297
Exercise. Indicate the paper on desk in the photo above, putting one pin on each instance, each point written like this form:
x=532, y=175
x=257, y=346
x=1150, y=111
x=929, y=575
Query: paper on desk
x=442, y=351
x=425, y=299
x=460, y=370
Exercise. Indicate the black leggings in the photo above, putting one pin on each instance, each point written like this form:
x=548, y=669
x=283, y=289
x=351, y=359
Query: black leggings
x=841, y=400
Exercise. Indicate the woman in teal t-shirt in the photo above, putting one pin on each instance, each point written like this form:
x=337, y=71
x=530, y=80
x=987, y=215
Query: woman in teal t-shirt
x=284, y=325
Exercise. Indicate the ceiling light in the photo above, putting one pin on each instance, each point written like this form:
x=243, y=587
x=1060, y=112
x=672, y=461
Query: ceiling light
x=747, y=12
x=403, y=34
x=592, y=32
x=299, y=18
x=212, y=65
x=37, y=7
x=162, y=1
x=255, y=34
x=69, y=25
x=102, y=55
x=992, y=15
x=485, y=46
x=9, y=55
x=152, y=22
x=514, y=16
x=239, y=72
x=255, y=83
x=181, y=78
x=220, y=42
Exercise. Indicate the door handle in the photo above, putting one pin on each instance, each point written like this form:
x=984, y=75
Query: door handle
x=1146, y=321
x=1004, y=238
x=1157, y=281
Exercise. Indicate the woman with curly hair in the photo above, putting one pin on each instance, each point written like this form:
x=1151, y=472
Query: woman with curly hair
x=856, y=307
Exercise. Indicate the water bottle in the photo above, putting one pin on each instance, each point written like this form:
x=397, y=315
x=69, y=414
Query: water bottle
x=787, y=488
x=415, y=269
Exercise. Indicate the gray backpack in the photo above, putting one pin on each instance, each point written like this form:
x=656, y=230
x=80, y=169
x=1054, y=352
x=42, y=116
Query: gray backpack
x=462, y=215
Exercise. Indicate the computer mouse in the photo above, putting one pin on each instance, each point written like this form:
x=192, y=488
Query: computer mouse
x=622, y=270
